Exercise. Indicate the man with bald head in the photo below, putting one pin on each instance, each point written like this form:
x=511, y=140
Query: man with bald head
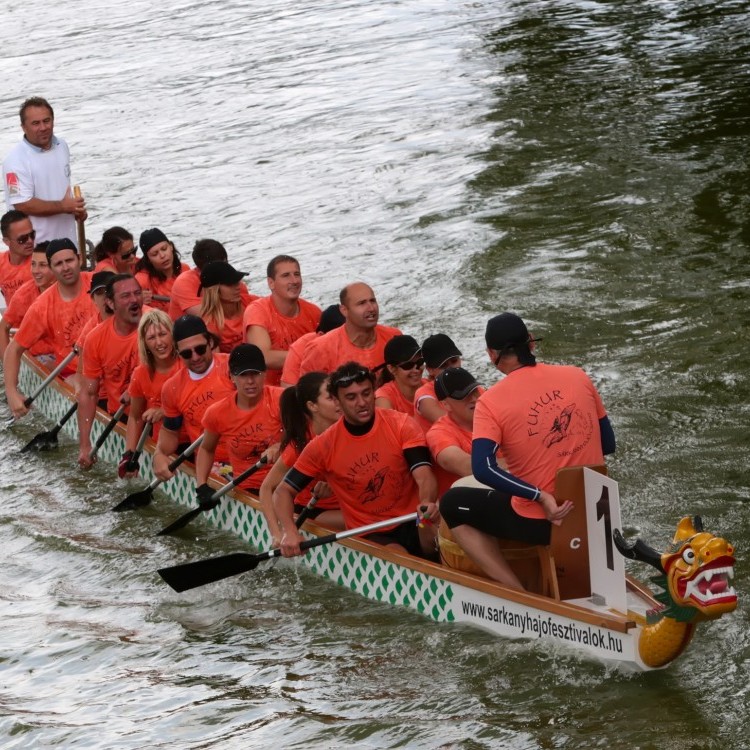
x=361, y=339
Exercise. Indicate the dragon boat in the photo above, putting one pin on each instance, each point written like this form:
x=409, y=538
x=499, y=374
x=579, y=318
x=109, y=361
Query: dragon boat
x=578, y=594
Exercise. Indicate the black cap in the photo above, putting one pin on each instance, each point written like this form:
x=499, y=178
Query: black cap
x=439, y=348
x=54, y=246
x=508, y=331
x=400, y=349
x=330, y=319
x=455, y=382
x=188, y=325
x=246, y=358
x=220, y=272
x=99, y=280
x=151, y=237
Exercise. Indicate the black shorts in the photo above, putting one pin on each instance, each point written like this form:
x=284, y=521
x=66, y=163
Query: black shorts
x=491, y=512
x=405, y=534
x=312, y=513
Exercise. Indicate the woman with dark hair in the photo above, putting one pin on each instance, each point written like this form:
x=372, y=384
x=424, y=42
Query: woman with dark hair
x=115, y=251
x=158, y=268
x=402, y=375
x=307, y=410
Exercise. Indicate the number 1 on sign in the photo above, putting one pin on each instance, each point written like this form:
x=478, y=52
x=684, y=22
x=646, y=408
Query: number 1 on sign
x=607, y=569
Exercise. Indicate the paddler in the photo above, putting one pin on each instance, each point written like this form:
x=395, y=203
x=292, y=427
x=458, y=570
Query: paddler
x=375, y=461
x=543, y=417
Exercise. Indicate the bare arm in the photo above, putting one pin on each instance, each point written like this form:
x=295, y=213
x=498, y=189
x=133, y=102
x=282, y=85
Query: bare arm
x=270, y=483
x=454, y=460
x=259, y=336
x=383, y=402
x=204, y=459
x=4, y=337
x=87, y=398
x=430, y=409
x=11, y=366
x=68, y=204
x=283, y=501
x=135, y=422
x=166, y=445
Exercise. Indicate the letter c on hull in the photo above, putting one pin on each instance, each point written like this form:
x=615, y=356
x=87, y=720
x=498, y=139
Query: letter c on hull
x=575, y=542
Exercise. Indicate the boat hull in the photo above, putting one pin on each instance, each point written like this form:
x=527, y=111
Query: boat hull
x=442, y=594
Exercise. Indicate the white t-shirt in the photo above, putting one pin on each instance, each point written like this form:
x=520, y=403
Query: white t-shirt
x=29, y=172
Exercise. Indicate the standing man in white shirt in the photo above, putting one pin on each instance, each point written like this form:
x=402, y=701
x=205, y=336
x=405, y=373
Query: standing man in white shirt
x=36, y=175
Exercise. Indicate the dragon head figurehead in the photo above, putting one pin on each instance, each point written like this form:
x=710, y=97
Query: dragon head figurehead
x=696, y=572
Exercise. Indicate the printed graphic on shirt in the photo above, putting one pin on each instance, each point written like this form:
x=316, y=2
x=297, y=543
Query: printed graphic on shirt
x=564, y=426
x=11, y=184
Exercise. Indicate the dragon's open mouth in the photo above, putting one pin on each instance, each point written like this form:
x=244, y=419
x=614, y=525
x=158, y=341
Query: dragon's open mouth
x=710, y=585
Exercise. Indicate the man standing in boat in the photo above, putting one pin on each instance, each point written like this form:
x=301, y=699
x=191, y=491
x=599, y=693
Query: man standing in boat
x=275, y=322
x=57, y=315
x=376, y=463
x=187, y=395
x=109, y=357
x=543, y=418
x=361, y=339
x=36, y=175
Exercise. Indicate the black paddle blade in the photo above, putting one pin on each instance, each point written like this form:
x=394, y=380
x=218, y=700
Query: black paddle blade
x=181, y=522
x=191, y=575
x=135, y=500
x=44, y=441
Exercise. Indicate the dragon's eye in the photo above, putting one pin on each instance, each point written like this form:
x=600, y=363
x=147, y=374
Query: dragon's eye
x=689, y=556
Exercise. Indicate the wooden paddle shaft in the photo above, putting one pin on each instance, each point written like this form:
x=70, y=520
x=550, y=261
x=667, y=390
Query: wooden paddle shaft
x=81, y=231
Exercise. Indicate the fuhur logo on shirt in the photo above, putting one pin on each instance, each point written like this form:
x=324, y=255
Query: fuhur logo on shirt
x=72, y=327
x=558, y=423
x=11, y=184
x=374, y=486
x=201, y=402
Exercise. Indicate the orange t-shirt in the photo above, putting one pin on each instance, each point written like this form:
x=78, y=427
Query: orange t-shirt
x=445, y=433
x=59, y=322
x=13, y=277
x=399, y=402
x=105, y=265
x=247, y=433
x=290, y=372
x=543, y=418
x=182, y=396
x=231, y=334
x=289, y=456
x=282, y=330
x=334, y=348
x=110, y=357
x=185, y=293
x=426, y=390
x=367, y=473
x=147, y=385
x=22, y=299
x=157, y=286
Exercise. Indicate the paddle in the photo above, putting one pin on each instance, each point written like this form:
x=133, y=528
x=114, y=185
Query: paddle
x=58, y=369
x=132, y=463
x=145, y=496
x=184, y=520
x=105, y=433
x=160, y=298
x=82, y=233
x=305, y=512
x=191, y=575
x=46, y=441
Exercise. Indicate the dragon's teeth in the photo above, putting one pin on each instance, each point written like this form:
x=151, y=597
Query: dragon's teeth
x=708, y=575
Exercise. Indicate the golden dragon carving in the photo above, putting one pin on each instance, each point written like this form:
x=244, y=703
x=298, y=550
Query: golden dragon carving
x=695, y=576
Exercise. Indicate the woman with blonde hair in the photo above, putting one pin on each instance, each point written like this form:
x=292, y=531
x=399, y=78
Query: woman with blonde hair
x=159, y=361
x=222, y=306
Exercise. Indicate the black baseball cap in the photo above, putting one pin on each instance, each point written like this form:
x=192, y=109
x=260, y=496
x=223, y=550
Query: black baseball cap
x=246, y=358
x=439, y=348
x=455, y=382
x=63, y=243
x=508, y=331
x=220, y=272
x=188, y=325
x=330, y=319
x=100, y=279
x=151, y=237
x=400, y=349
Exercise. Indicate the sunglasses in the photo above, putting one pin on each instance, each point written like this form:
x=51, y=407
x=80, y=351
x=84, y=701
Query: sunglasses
x=417, y=363
x=22, y=239
x=128, y=254
x=200, y=350
x=345, y=380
